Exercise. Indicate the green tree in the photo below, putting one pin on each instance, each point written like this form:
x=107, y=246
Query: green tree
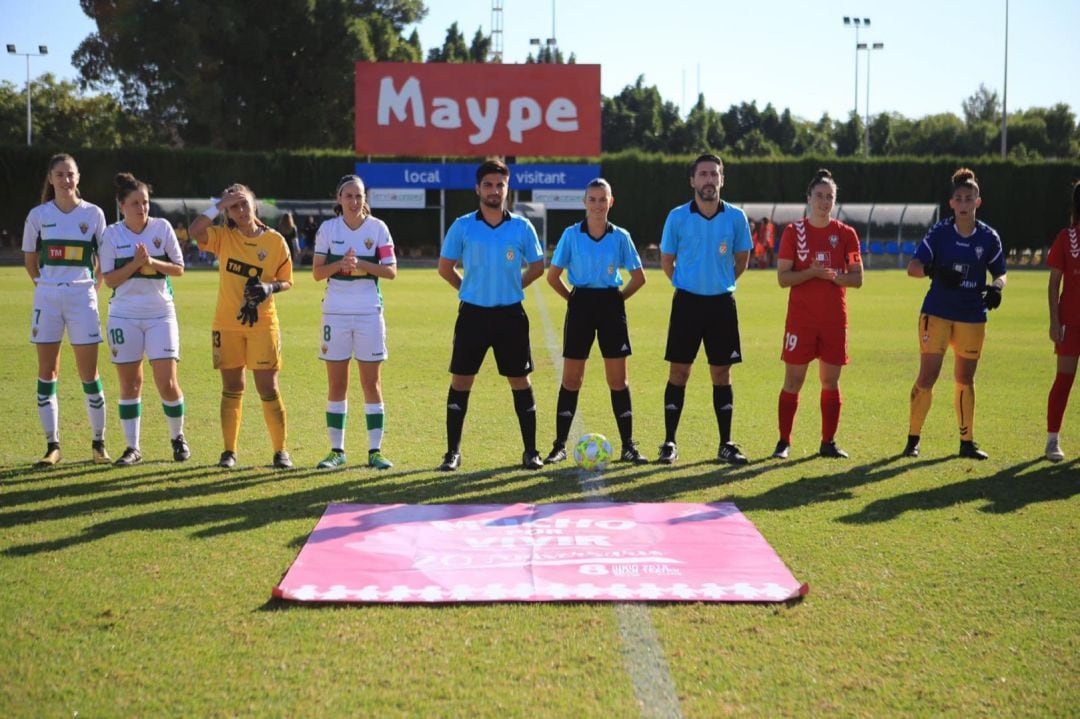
x=453, y=48
x=983, y=106
x=849, y=136
x=639, y=117
x=63, y=116
x=242, y=78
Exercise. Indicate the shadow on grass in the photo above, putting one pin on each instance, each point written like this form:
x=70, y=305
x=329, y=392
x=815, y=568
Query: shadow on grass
x=1000, y=493
x=128, y=491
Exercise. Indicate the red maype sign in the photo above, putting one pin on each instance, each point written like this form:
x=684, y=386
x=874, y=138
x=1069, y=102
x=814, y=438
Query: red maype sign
x=477, y=109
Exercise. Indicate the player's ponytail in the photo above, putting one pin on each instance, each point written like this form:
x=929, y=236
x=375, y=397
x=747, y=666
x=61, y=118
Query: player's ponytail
x=126, y=183
x=965, y=178
x=822, y=176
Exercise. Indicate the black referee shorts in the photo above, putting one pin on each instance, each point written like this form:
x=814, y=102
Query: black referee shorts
x=504, y=329
x=711, y=319
x=595, y=313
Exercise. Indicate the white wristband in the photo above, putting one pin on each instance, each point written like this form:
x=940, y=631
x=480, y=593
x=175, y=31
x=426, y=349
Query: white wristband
x=212, y=211
x=999, y=283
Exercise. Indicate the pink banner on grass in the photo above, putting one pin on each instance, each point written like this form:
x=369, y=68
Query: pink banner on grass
x=537, y=553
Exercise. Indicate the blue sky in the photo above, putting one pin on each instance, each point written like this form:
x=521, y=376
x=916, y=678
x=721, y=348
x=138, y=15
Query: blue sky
x=793, y=54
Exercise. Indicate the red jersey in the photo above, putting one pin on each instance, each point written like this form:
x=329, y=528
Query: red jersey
x=818, y=302
x=1064, y=255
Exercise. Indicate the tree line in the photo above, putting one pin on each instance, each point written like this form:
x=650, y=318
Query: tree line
x=282, y=78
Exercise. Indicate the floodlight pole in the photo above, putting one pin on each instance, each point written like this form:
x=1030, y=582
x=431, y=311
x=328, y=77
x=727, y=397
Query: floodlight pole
x=42, y=50
x=1005, y=91
x=869, y=49
x=857, y=23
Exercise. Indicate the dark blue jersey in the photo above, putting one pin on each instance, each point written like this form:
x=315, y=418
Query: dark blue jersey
x=973, y=256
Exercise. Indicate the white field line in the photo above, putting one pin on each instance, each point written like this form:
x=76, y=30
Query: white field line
x=642, y=654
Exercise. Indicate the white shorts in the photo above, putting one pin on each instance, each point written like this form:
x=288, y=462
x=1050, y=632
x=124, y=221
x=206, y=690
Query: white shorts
x=73, y=306
x=130, y=339
x=347, y=336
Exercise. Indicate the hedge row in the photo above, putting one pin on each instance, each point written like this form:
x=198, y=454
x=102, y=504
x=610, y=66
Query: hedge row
x=1025, y=201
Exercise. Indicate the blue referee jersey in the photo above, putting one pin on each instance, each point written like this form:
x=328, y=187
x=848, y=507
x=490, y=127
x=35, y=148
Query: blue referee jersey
x=973, y=256
x=492, y=257
x=705, y=249
x=595, y=261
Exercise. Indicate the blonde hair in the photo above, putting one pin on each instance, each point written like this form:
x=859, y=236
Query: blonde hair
x=238, y=187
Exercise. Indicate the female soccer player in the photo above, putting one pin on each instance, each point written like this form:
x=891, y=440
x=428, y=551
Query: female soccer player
x=352, y=252
x=254, y=265
x=592, y=252
x=1064, y=263
x=138, y=258
x=819, y=259
x=956, y=254
x=60, y=243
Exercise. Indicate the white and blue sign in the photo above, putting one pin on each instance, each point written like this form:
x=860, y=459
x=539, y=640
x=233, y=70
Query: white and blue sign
x=461, y=176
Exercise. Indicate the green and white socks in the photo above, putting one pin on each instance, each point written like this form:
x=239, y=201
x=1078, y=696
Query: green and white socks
x=48, y=409
x=336, y=415
x=131, y=419
x=95, y=407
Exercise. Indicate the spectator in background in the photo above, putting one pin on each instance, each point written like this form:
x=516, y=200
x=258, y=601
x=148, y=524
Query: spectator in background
x=767, y=237
x=287, y=229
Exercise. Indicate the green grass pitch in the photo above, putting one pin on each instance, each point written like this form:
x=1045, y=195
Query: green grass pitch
x=939, y=587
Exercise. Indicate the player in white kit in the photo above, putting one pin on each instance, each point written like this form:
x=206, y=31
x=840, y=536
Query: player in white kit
x=138, y=258
x=60, y=242
x=353, y=252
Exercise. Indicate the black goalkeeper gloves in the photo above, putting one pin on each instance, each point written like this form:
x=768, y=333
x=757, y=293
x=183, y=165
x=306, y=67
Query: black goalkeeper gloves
x=249, y=313
x=992, y=297
x=947, y=276
x=255, y=291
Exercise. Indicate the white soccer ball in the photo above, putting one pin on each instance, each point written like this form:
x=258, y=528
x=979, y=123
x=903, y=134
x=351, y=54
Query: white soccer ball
x=593, y=452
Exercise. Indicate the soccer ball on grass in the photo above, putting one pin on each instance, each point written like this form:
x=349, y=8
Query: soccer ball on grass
x=592, y=452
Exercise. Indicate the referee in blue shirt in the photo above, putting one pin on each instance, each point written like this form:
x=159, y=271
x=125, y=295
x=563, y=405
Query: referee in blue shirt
x=492, y=245
x=705, y=246
x=592, y=252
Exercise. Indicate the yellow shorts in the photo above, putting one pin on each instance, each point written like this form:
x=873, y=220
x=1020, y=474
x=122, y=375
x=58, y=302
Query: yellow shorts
x=937, y=334
x=253, y=350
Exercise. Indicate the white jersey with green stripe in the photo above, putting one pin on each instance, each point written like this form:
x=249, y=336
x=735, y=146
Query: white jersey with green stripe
x=67, y=241
x=356, y=293
x=147, y=293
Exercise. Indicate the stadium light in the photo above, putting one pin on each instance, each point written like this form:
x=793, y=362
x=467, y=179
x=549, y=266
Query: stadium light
x=869, y=49
x=551, y=43
x=42, y=50
x=858, y=23
x=1005, y=91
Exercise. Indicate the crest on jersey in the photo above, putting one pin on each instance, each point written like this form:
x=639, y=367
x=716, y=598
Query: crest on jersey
x=509, y=254
x=325, y=349
x=261, y=254
x=83, y=227
x=34, y=332
x=723, y=248
x=115, y=351
x=834, y=240
x=157, y=243
x=978, y=253
x=369, y=243
x=611, y=269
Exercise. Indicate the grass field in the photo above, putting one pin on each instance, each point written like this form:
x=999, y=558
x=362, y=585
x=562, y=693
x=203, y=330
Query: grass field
x=939, y=586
